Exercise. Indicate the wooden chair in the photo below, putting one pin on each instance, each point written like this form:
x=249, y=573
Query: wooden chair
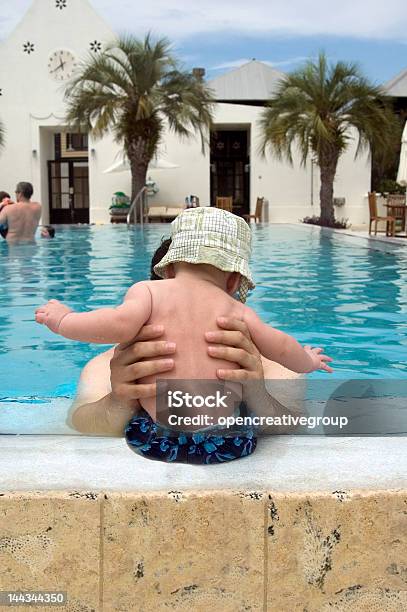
x=374, y=217
x=397, y=209
x=225, y=203
x=257, y=212
x=396, y=198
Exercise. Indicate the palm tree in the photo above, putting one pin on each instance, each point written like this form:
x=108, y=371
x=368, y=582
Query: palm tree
x=314, y=109
x=135, y=88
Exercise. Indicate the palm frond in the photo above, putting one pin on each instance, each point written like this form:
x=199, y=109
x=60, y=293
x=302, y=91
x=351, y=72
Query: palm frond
x=134, y=88
x=316, y=107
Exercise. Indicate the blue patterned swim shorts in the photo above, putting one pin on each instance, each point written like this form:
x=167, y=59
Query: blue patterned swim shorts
x=151, y=440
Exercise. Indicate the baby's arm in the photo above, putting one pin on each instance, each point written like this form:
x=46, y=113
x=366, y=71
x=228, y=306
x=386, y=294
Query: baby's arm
x=103, y=326
x=282, y=348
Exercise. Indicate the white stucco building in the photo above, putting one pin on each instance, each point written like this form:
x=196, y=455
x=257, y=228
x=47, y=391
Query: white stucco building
x=67, y=170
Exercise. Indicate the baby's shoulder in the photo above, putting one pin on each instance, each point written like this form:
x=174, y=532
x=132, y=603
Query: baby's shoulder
x=138, y=289
x=150, y=287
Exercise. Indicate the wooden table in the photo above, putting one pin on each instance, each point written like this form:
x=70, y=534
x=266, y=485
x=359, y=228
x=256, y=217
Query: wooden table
x=393, y=210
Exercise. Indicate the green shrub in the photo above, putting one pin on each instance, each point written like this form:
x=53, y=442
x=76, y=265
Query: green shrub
x=391, y=186
x=342, y=224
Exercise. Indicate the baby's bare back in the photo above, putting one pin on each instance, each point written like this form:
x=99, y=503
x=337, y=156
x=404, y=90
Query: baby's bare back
x=188, y=309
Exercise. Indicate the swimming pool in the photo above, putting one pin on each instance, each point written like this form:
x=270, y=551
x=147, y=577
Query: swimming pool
x=324, y=288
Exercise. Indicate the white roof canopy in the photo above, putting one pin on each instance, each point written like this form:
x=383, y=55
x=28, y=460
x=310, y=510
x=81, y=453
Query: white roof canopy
x=252, y=81
x=397, y=87
x=123, y=165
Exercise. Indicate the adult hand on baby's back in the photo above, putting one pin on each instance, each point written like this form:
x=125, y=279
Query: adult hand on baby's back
x=319, y=359
x=127, y=365
x=137, y=359
x=236, y=346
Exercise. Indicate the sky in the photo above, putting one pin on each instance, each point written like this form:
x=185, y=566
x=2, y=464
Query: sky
x=222, y=34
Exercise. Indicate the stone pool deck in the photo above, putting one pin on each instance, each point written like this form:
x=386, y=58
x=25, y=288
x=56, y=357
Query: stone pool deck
x=309, y=524
x=379, y=241
x=363, y=232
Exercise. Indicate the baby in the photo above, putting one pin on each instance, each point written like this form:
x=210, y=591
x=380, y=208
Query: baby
x=206, y=265
x=5, y=200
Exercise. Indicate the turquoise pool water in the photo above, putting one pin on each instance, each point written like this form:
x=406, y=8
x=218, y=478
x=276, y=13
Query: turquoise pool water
x=325, y=289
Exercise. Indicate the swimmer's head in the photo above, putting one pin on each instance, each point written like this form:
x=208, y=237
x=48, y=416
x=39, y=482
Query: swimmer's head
x=47, y=231
x=24, y=190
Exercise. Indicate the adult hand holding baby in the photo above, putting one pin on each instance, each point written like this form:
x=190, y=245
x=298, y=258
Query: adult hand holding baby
x=234, y=344
x=144, y=356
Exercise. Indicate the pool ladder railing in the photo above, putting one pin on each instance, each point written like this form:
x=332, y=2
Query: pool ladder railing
x=138, y=207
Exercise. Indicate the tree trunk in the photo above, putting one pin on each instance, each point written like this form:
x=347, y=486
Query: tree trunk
x=136, y=153
x=328, y=165
x=138, y=177
x=138, y=158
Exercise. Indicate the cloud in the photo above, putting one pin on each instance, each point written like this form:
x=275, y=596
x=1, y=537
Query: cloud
x=290, y=61
x=182, y=19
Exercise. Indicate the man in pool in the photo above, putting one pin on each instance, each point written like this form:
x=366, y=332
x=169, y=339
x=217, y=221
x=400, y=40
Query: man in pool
x=20, y=221
x=108, y=390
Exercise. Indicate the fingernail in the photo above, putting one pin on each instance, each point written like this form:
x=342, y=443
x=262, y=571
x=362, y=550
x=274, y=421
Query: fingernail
x=211, y=349
x=167, y=363
x=170, y=346
x=158, y=329
x=221, y=319
x=210, y=335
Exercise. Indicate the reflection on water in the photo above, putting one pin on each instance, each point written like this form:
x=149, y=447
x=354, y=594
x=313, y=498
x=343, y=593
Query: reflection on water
x=325, y=290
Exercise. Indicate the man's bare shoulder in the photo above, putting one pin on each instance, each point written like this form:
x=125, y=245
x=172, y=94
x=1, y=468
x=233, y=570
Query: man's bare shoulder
x=17, y=206
x=97, y=365
x=94, y=381
x=21, y=209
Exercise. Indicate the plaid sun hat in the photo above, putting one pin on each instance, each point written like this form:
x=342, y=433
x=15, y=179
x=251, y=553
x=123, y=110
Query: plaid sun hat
x=211, y=236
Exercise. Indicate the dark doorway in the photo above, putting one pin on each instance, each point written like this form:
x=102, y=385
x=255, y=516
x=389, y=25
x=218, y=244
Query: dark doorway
x=230, y=168
x=68, y=191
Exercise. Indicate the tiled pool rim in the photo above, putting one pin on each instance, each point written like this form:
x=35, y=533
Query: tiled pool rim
x=219, y=550
x=316, y=524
